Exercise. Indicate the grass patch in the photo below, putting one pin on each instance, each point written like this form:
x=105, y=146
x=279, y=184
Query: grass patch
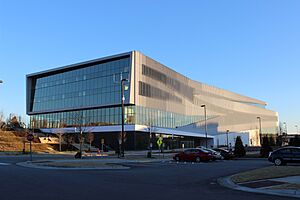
x=77, y=164
x=266, y=173
x=286, y=187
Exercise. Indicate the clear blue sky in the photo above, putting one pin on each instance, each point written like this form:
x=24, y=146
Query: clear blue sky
x=251, y=47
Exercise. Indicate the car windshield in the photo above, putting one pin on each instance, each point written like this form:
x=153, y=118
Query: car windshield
x=204, y=150
x=189, y=151
x=209, y=150
x=223, y=150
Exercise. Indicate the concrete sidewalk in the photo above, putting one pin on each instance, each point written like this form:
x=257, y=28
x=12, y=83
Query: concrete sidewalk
x=287, y=186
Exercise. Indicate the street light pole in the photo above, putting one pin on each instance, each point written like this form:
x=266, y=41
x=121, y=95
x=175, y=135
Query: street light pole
x=260, y=132
x=286, y=132
x=150, y=141
x=285, y=125
x=122, y=148
x=204, y=106
x=59, y=141
x=227, y=139
x=80, y=140
x=80, y=146
x=24, y=139
x=296, y=128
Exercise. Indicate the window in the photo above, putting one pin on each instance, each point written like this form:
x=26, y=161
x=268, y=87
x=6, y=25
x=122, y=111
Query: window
x=188, y=151
x=153, y=92
x=296, y=150
x=181, y=88
x=285, y=151
x=87, y=82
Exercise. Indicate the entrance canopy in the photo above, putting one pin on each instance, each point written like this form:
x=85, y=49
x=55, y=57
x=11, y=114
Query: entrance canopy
x=139, y=128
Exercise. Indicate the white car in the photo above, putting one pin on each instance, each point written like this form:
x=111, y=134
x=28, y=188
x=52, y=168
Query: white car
x=217, y=155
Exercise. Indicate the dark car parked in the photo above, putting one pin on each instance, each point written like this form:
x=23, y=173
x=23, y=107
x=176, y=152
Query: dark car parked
x=193, y=155
x=285, y=155
x=227, y=155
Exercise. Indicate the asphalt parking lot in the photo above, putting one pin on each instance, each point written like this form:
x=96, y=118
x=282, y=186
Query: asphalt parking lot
x=160, y=180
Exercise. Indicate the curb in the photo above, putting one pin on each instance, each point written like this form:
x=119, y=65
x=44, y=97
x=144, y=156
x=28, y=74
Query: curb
x=28, y=164
x=117, y=165
x=226, y=182
x=249, y=159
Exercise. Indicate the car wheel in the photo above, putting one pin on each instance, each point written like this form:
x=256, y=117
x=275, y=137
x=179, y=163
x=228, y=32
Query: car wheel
x=198, y=159
x=177, y=158
x=278, y=162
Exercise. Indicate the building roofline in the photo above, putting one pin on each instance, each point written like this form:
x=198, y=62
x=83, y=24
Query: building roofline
x=250, y=99
x=76, y=65
x=129, y=53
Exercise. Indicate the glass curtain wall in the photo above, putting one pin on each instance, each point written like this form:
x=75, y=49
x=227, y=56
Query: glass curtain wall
x=94, y=85
x=112, y=116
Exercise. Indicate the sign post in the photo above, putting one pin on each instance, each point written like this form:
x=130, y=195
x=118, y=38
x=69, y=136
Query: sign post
x=102, y=144
x=30, y=138
x=159, y=143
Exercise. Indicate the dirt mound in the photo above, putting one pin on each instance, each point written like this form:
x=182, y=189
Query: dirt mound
x=14, y=141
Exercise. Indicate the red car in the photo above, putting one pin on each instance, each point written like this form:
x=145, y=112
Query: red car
x=193, y=155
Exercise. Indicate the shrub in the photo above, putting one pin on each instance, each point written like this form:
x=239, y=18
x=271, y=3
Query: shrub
x=272, y=141
x=265, y=147
x=295, y=141
x=239, y=150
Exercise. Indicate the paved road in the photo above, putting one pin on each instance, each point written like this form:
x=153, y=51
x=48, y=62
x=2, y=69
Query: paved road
x=144, y=181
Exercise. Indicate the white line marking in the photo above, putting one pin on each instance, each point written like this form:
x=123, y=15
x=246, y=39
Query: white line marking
x=5, y=164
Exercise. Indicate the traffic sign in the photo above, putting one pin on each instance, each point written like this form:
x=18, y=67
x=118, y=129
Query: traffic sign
x=30, y=137
x=159, y=142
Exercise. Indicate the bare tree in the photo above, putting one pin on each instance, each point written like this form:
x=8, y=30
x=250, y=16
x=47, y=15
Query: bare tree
x=90, y=138
x=23, y=133
x=80, y=122
x=13, y=121
x=2, y=121
x=152, y=130
x=2, y=117
x=60, y=132
x=69, y=139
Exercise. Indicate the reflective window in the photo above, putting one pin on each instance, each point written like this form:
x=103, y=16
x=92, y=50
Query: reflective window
x=112, y=116
x=94, y=85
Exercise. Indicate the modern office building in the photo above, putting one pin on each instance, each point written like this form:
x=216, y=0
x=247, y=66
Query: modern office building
x=157, y=100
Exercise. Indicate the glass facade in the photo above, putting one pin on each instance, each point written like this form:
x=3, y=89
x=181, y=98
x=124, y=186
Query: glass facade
x=92, y=117
x=112, y=116
x=89, y=94
x=94, y=85
x=159, y=118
